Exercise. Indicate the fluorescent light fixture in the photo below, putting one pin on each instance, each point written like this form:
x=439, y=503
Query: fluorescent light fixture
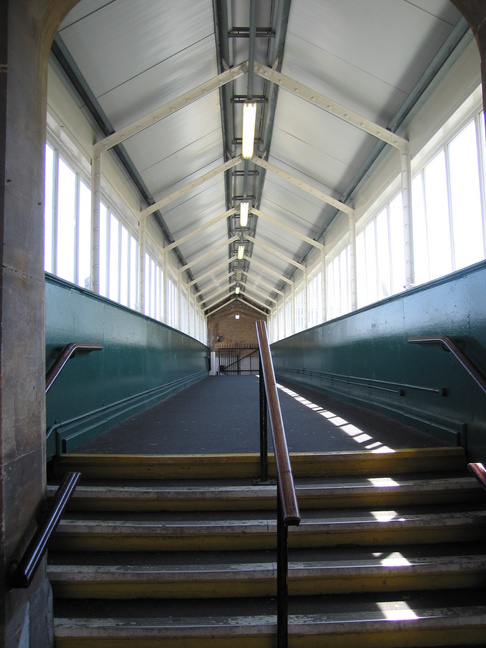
x=241, y=251
x=244, y=207
x=249, y=119
x=237, y=290
x=237, y=316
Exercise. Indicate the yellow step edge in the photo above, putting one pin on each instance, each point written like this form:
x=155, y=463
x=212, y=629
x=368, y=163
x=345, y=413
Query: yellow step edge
x=105, y=466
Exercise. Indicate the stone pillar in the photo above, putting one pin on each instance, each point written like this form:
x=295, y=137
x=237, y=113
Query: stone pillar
x=26, y=31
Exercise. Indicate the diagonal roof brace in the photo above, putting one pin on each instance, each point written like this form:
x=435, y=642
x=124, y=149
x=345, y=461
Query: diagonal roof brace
x=275, y=252
x=297, y=182
x=200, y=229
x=190, y=186
x=267, y=269
x=275, y=222
x=208, y=253
x=173, y=106
x=332, y=107
x=212, y=270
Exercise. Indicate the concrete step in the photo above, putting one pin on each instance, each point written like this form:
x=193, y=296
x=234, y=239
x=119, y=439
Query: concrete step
x=369, y=463
x=333, y=493
x=338, y=572
x=393, y=621
x=257, y=530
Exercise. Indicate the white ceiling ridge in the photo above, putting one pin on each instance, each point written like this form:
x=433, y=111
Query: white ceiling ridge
x=169, y=108
x=295, y=233
x=269, y=270
x=208, y=253
x=212, y=271
x=297, y=182
x=275, y=252
x=178, y=193
x=332, y=107
x=200, y=229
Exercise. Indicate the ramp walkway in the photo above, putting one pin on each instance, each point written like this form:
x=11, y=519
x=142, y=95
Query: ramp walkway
x=220, y=414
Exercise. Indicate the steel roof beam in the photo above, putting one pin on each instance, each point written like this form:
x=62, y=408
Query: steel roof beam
x=332, y=107
x=297, y=182
x=275, y=252
x=255, y=300
x=269, y=270
x=275, y=222
x=264, y=283
x=212, y=270
x=213, y=303
x=171, y=107
x=190, y=186
x=200, y=229
x=208, y=253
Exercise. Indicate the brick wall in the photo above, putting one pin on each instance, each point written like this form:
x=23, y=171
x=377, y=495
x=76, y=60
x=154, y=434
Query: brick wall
x=226, y=329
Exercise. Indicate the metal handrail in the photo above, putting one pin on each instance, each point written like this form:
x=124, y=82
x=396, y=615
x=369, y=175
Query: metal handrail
x=479, y=471
x=452, y=346
x=287, y=506
x=22, y=572
x=69, y=350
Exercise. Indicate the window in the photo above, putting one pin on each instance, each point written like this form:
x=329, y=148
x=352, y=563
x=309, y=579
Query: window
x=314, y=299
x=338, y=289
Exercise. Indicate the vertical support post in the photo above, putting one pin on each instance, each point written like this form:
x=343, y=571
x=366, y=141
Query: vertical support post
x=141, y=262
x=263, y=428
x=282, y=576
x=95, y=221
x=352, y=262
x=324, y=286
x=406, y=177
x=306, y=286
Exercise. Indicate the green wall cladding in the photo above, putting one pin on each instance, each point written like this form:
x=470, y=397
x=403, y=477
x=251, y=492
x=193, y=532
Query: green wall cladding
x=365, y=357
x=142, y=362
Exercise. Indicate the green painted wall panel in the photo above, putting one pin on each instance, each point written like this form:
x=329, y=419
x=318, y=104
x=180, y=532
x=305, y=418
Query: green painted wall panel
x=365, y=357
x=140, y=358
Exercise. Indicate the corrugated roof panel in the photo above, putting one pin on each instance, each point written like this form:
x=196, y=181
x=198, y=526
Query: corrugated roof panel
x=130, y=38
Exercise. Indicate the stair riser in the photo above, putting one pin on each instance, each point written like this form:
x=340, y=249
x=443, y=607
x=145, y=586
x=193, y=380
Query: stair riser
x=264, y=587
x=254, y=540
x=412, y=637
x=333, y=501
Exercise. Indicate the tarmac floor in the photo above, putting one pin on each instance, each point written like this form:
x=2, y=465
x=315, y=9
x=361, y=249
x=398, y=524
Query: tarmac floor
x=220, y=414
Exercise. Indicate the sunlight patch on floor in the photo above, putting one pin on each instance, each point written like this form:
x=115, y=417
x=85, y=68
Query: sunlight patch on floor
x=358, y=435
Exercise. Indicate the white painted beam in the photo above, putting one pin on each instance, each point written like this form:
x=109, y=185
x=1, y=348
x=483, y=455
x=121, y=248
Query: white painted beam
x=297, y=182
x=275, y=252
x=212, y=270
x=269, y=270
x=332, y=107
x=214, y=249
x=275, y=222
x=200, y=229
x=178, y=193
x=171, y=107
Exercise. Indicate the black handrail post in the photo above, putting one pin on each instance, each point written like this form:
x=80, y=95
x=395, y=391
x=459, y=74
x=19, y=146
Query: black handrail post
x=282, y=576
x=263, y=428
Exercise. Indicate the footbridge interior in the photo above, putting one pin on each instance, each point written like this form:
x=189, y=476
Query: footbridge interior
x=178, y=176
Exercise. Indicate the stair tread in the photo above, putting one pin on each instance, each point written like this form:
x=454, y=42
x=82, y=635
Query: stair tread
x=395, y=561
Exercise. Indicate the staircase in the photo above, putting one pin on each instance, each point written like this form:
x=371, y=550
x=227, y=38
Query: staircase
x=180, y=552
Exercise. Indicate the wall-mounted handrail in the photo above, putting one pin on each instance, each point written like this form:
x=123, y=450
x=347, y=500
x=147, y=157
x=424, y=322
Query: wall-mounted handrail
x=68, y=351
x=23, y=571
x=287, y=506
x=450, y=345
